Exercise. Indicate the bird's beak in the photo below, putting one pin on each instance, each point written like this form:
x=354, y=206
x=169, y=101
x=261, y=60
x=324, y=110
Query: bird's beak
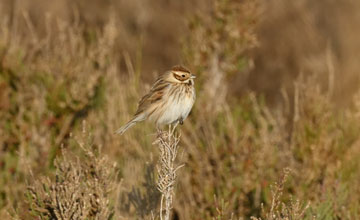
x=193, y=77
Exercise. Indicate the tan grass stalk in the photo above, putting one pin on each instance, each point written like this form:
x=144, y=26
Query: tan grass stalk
x=294, y=210
x=167, y=141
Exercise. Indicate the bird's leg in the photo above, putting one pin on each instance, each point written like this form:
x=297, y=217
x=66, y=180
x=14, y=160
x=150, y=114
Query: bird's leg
x=180, y=120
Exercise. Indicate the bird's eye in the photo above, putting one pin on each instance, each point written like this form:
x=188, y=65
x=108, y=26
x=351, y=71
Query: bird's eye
x=183, y=75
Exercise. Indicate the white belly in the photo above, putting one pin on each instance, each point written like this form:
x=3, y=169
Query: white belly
x=176, y=109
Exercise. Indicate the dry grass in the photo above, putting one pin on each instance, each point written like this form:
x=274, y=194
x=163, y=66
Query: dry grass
x=82, y=188
x=168, y=148
x=280, y=211
x=235, y=145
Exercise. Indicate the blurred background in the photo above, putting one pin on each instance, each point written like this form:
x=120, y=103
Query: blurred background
x=293, y=37
x=277, y=79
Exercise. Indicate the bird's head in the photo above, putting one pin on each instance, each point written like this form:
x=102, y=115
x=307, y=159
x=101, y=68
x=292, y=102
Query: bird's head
x=180, y=74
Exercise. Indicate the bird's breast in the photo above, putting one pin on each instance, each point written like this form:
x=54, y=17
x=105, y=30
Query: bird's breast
x=178, y=104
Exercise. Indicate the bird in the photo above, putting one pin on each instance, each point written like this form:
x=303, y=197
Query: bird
x=168, y=102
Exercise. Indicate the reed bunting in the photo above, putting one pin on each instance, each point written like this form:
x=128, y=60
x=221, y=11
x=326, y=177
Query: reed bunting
x=169, y=101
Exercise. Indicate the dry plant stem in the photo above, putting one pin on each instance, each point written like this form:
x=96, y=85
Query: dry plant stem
x=294, y=210
x=168, y=147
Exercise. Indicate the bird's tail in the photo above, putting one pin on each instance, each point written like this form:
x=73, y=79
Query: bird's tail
x=128, y=125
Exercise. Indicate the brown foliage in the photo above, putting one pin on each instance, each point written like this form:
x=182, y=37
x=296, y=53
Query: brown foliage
x=82, y=188
x=58, y=70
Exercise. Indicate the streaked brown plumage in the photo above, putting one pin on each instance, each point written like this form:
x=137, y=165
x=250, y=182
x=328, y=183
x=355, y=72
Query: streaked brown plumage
x=169, y=101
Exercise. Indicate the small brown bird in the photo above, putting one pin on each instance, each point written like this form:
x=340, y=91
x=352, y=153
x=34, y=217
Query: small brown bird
x=169, y=101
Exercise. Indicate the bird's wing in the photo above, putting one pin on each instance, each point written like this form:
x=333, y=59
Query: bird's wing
x=156, y=94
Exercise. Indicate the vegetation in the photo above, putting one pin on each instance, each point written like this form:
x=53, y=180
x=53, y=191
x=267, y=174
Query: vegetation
x=67, y=84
